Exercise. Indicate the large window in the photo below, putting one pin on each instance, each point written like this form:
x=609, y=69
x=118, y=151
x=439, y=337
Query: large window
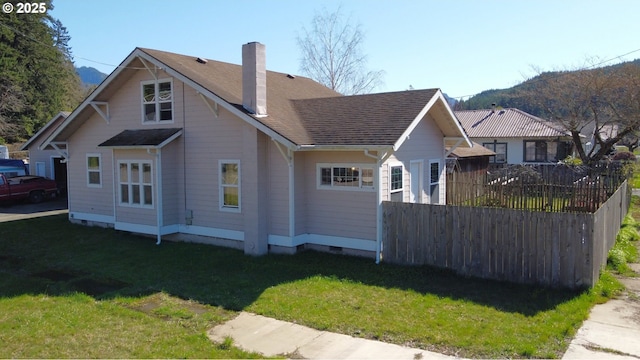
x=500, y=148
x=136, y=183
x=157, y=101
x=535, y=151
x=395, y=174
x=94, y=170
x=345, y=177
x=229, y=185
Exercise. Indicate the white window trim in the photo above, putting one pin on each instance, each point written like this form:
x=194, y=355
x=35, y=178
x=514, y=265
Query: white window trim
x=142, y=103
x=223, y=207
x=99, y=156
x=392, y=165
x=360, y=166
x=129, y=203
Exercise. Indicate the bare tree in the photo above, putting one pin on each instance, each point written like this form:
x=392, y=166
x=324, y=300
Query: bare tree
x=332, y=55
x=590, y=103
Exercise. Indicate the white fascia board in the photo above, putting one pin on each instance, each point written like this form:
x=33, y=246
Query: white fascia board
x=89, y=99
x=437, y=97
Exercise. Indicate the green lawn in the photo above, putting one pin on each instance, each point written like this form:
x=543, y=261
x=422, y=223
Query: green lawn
x=74, y=291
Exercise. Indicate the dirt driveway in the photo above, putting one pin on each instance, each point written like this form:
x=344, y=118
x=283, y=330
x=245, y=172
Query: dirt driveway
x=19, y=211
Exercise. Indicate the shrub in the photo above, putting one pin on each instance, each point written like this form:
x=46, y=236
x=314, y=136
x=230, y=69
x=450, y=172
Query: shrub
x=624, y=155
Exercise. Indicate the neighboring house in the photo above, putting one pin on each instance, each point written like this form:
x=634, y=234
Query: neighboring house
x=191, y=149
x=607, y=131
x=515, y=136
x=49, y=163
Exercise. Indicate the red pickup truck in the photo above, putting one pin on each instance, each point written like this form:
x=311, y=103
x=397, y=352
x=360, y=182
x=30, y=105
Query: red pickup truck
x=33, y=188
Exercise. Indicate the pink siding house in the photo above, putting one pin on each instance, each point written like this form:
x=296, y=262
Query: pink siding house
x=184, y=148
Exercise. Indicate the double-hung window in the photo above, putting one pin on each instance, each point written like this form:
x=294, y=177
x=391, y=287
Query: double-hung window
x=94, y=170
x=229, y=185
x=395, y=178
x=345, y=177
x=157, y=101
x=136, y=183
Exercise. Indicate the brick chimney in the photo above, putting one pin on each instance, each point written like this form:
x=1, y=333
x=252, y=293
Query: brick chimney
x=254, y=78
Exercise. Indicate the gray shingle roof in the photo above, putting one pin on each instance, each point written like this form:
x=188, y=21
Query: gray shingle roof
x=299, y=110
x=507, y=123
x=306, y=112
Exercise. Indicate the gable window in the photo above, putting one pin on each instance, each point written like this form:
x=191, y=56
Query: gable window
x=535, y=151
x=345, y=177
x=500, y=148
x=94, y=170
x=136, y=183
x=157, y=101
x=229, y=179
x=395, y=175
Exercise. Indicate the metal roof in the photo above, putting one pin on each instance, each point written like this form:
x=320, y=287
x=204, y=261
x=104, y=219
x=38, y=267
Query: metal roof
x=507, y=123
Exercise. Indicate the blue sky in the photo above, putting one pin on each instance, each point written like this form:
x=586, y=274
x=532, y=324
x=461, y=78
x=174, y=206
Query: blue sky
x=460, y=46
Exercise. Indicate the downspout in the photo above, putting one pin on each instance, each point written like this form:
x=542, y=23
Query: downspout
x=159, y=221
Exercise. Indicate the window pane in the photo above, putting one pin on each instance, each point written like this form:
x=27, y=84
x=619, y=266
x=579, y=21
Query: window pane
x=530, y=151
x=343, y=176
x=148, y=92
x=165, y=91
x=367, y=177
x=93, y=162
x=165, y=111
x=146, y=173
x=135, y=194
x=230, y=174
x=94, y=177
x=148, y=195
x=541, y=151
x=396, y=177
x=435, y=173
x=325, y=176
x=135, y=173
x=124, y=193
x=150, y=112
x=123, y=173
x=230, y=196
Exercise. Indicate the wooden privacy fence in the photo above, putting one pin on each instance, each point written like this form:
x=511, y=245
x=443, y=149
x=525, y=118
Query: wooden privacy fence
x=532, y=247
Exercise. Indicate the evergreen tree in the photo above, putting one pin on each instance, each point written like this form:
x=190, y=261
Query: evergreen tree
x=37, y=77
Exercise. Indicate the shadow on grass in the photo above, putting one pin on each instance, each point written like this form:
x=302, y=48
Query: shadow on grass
x=50, y=255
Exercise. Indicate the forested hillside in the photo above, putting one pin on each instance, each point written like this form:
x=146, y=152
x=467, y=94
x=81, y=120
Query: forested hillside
x=519, y=96
x=37, y=76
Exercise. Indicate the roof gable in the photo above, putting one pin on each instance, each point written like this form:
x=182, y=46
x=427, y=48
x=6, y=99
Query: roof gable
x=507, y=123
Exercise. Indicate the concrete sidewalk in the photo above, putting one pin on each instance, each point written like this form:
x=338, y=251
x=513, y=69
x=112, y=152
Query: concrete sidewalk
x=272, y=337
x=613, y=328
